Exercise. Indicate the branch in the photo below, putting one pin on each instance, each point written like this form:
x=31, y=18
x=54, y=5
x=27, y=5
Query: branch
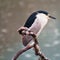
x=25, y=31
x=38, y=52
x=22, y=51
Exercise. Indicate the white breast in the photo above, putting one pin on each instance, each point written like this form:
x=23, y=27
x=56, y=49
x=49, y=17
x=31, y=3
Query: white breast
x=35, y=26
x=43, y=19
x=39, y=23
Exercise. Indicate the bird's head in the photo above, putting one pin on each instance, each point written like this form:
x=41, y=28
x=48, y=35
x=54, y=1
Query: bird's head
x=40, y=16
x=44, y=15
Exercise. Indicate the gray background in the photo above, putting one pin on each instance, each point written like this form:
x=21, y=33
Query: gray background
x=13, y=14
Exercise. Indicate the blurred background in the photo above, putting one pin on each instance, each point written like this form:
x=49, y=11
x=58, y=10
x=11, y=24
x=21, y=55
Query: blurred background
x=13, y=14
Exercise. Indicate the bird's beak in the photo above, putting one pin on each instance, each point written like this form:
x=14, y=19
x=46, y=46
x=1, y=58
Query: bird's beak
x=51, y=16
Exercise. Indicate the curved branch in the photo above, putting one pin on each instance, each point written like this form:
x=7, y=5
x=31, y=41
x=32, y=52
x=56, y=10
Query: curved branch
x=22, y=51
x=25, y=31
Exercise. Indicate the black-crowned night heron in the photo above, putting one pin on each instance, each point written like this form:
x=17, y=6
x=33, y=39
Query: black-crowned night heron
x=35, y=23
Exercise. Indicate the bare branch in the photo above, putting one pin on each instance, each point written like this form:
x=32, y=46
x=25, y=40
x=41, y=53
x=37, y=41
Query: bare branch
x=22, y=51
x=25, y=31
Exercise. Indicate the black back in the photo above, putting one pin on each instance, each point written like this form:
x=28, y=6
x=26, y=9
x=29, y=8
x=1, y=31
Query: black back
x=32, y=18
x=44, y=12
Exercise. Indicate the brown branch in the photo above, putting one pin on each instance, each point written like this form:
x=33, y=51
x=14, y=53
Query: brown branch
x=25, y=31
x=38, y=52
x=22, y=51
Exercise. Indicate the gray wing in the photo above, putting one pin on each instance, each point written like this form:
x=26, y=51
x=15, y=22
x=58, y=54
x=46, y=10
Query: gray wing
x=26, y=39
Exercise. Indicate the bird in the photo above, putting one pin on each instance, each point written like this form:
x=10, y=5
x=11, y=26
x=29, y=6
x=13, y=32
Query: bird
x=35, y=23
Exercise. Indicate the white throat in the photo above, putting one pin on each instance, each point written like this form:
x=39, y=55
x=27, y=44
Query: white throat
x=43, y=19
